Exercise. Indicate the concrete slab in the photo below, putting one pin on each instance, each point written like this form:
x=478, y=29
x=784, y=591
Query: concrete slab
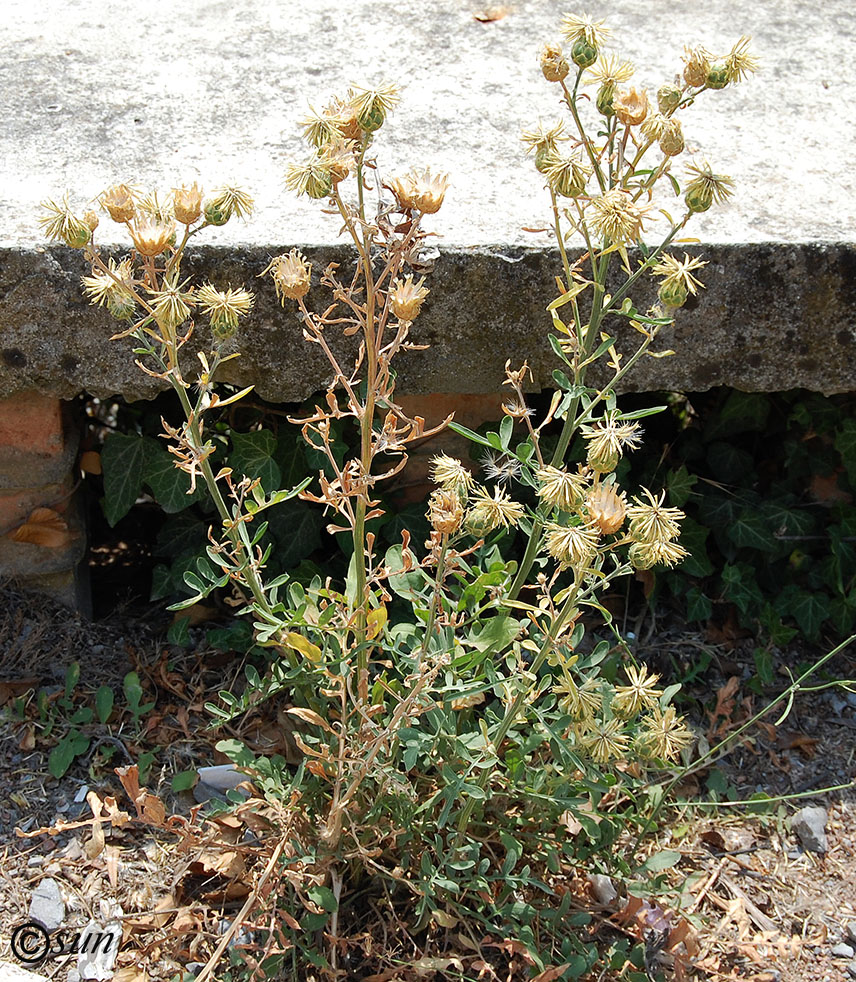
x=212, y=90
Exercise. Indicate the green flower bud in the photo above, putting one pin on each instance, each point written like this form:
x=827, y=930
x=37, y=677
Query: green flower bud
x=672, y=294
x=121, y=307
x=215, y=214
x=698, y=199
x=370, y=120
x=603, y=463
x=583, y=53
x=640, y=557
x=544, y=157
x=78, y=236
x=604, y=100
x=717, y=76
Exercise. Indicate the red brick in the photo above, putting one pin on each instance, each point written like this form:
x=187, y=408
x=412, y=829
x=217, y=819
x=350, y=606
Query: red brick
x=38, y=440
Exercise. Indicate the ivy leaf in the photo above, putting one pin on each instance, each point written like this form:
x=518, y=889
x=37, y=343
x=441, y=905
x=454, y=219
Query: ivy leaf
x=750, y=531
x=699, y=607
x=252, y=456
x=680, y=484
x=740, y=587
x=296, y=526
x=727, y=462
x=693, y=539
x=845, y=444
x=742, y=412
x=168, y=484
x=180, y=535
x=810, y=610
x=122, y=463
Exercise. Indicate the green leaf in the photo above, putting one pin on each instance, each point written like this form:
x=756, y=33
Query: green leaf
x=296, y=526
x=184, y=780
x=104, y=699
x=506, y=428
x=72, y=745
x=122, y=463
x=497, y=634
x=180, y=535
x=810, y=610
x=679, y=485
x=470, y=434
x=699, y=607
x=290, y=457
x=845, y=444
x=741, y=588
x=742, y=412
x=727, y=462
x=324, y=897
x=252, y=456
x=662, y=860
x=168, y=484
x=693, y=538
x=179, y=632
x=764, y=665
x=750, y=531
x=405, y=584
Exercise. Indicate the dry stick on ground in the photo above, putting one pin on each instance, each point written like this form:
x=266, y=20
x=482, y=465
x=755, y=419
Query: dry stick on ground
x=206, y=972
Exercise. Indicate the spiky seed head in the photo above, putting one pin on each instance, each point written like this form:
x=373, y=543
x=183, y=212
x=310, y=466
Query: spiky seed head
x=171, y=306
x=664, y=734
x=450, y=474
x=343, y=116
x=560, y=489
x=606, y=508
x=291, y=274
x=610, y=70
x=706, y=187
x=151, y=238
x=617, y=217
x=605, y=741
x=61, y=224
x=339, y=158
x=118, y=201
x=187, y=203
x=641, y=693
x=718, y=75
x=696, y=65
x=572, y=545
x=566, y=176
x=607, y=440
x=314, y=178
x=678, y=281
x=224, y=308
x=651, y=521
x=669, y=98
x=631, y=106
x=372, y=106
x=227, y=202
x=581, y=27
x=445, y=511
x=580, y=702
x=488, y=513
x=406, y=298
x=740, y=63
x=322, y=128
x=671, y=140
x=554, y=64
x=113, y=287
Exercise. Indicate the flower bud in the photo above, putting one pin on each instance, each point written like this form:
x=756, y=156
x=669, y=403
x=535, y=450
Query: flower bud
x=640, y=556
x=406, y=298
x=696, y=66
x=554, y=65
x=606, y=509
x=215, y=214
x=672, y=293
x=121, y=306
x=671, y=140
x=566, y=176
x=605, y=95
x=153, y=238
x=292, y=275
x=90, y=220
x=445, y=511
x=602, y=459
x=698, y=199
x=668, y=98
x=119, y=202
x=583, y=53
x=718, y=76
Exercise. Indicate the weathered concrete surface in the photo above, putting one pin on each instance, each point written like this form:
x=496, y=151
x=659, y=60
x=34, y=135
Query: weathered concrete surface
x=772, y=317
x=213, y=90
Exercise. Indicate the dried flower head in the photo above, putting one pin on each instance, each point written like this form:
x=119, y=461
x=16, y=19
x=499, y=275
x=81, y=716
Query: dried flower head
x=500, y=467
x=617, y=217
x=671, y=140
x=605, y=741
x=489, y=513
x=372, y=106
x=651, y=521
x=119, y=202
x=322, y=128
x=314, y=178
x=696, y=65
x=187, y=203
x=566, y=176
x=338, y=155
x=739, y=63
x=406, y=297
x=113, y=287
x=608, y=439
x=706, y=188
x=644, y=555
x=559, y=489
x=610, y=70
x=669, y=97
x=542, y=138
x=580, y=702
x=445, y=511
x=581, y=27
x=224, y=307
x=641, y=693
x=60, y=223
x=420, y=191
x=572, y=545
x=342, y=115
x=227, y=202
x=606, y=508
x=151, y=238
x=171, y=306
x=678, y=280
x=630, y=106
x=554, y=65
x=291, y=274
x=450, y=474
x=155, y=208
x=664, y=734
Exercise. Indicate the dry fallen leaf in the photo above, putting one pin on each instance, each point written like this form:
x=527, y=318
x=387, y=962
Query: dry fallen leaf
x=90, y=462
x=130, y=974
x=44, y=527
x=490, y=14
